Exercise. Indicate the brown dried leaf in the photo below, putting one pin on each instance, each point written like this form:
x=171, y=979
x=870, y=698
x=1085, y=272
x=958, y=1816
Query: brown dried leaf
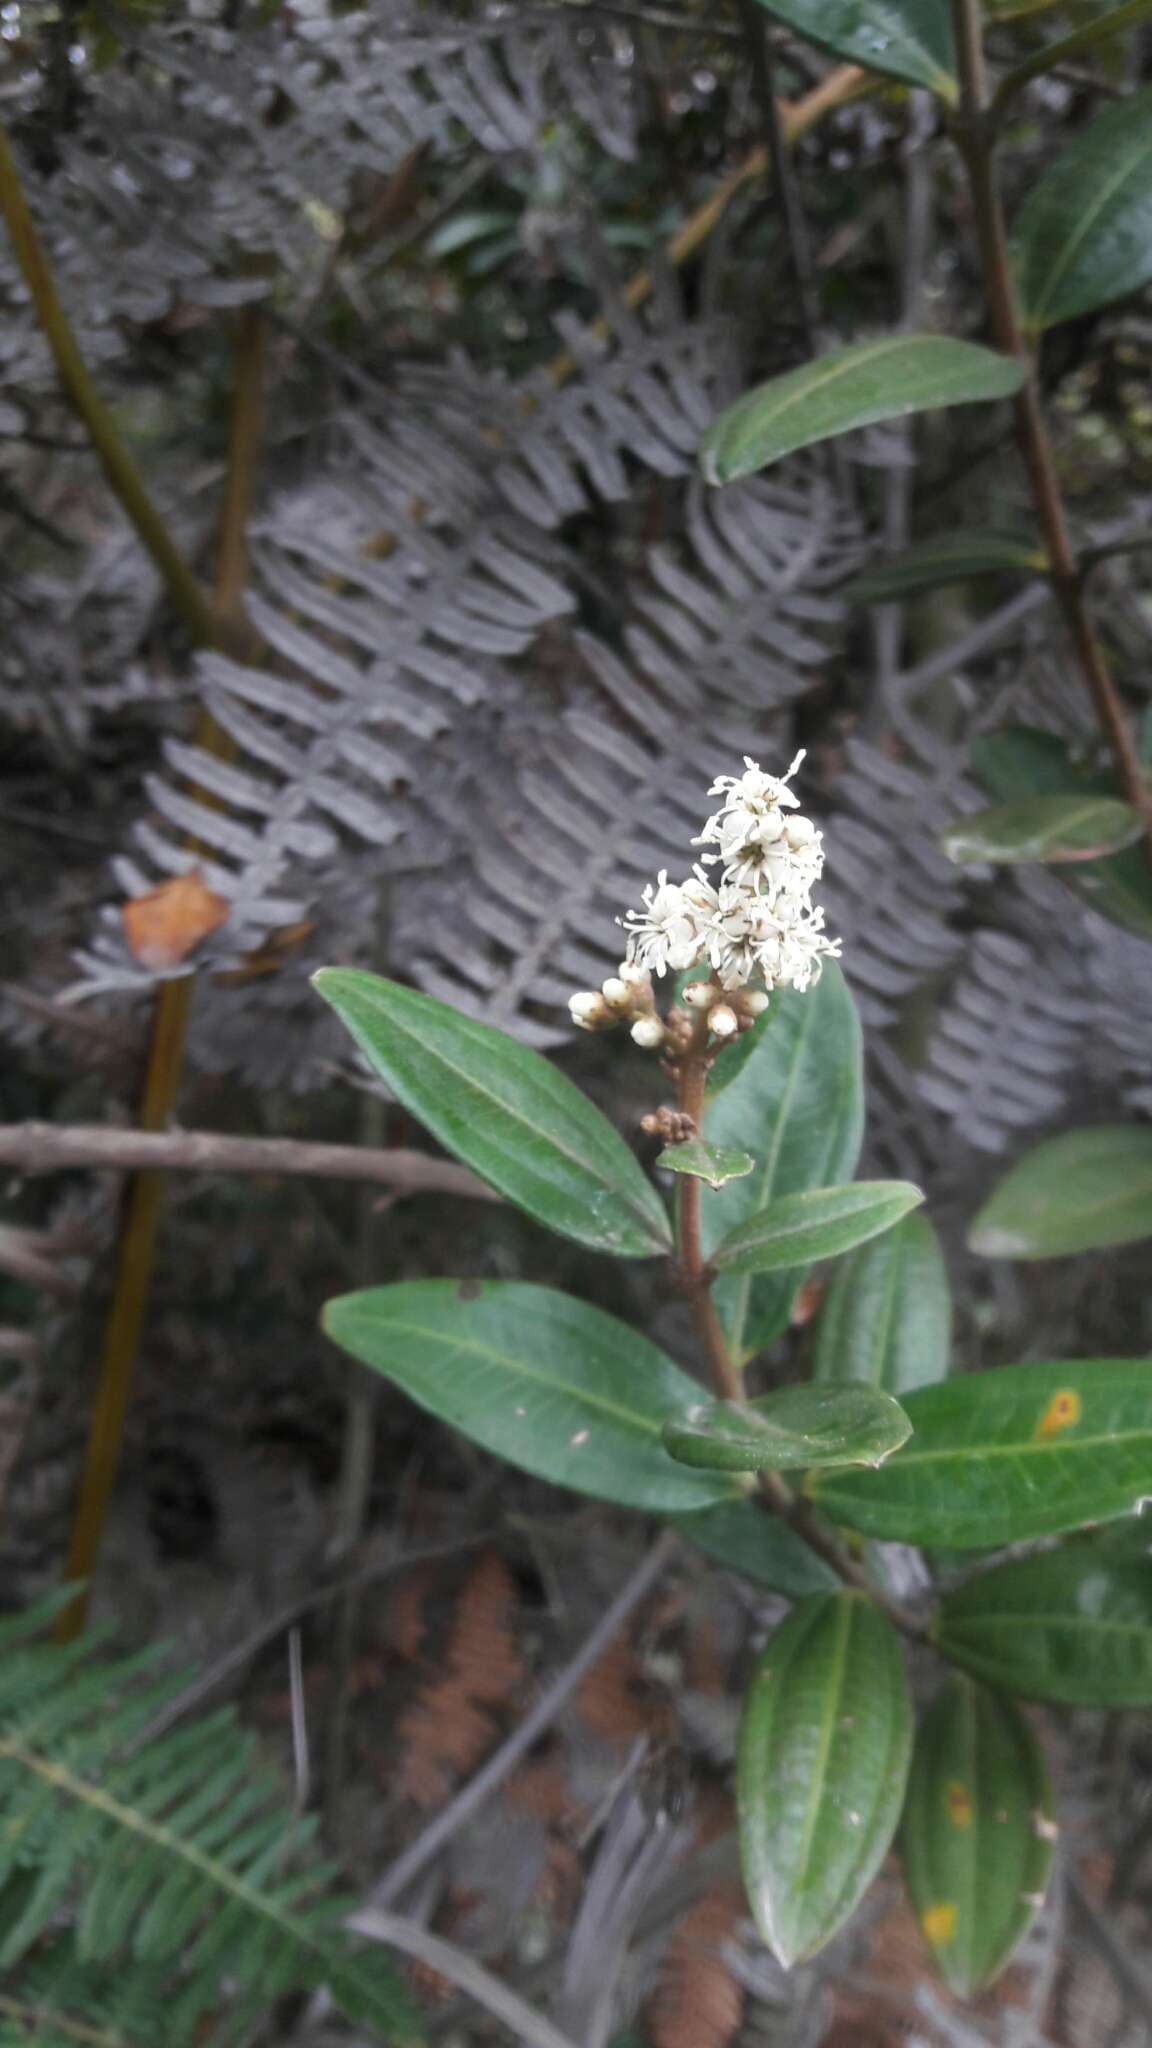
x=164, y=925
x=697, y=2002
x=449, y=1726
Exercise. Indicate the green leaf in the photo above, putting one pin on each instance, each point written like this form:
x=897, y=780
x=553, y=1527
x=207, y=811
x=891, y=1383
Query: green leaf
x=909, y=39
x=820, y=1223
x=743, y=1536
x=549, y=1383
x=796, y=1096
x=1048, y=828
x=850, y=388
x=1086, y=37
x=714, y=1163
x=1023, y=1450
x=1072, y=1625
x=1020, y=761
x=508, y=1113
x=1084, y=234
x=887, y=1317
x=978, y=1835
x=788, y=1430
x=946, y=558
x=823, y=1756
x=1075, y=1193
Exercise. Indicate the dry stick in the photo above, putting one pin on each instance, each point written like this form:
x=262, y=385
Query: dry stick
x=773, y=1492
x=975, y=135
x=464, y=1971
x=472, y=1796
x=143, y=1198
x=35, y=1148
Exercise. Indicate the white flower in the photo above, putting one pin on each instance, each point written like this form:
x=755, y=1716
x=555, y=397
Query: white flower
x=669, y=931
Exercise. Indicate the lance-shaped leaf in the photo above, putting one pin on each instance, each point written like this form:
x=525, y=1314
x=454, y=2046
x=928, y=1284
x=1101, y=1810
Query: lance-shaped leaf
x=909, y=39
x=887, y=1317
x=796, y=1427
x=1084, y=234
x=850, y=388
x=1073, y=1193
x=1045, y=828
x=818, y=1224
x=506, y=1111
x=1072, y=1625
x=823, y=1756
x=791, y=1089
x=548, y=1383
x=1021, y=761
x=743, y=1536
x=994, y=1457
x=945, y=558
x=716, y=1164
x=978, y=1834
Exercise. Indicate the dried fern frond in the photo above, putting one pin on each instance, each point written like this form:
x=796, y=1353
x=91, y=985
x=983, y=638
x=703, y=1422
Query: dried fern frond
x=698, y=2002
x=182, y=1852
x=448, y=1726
x=1004, y=1042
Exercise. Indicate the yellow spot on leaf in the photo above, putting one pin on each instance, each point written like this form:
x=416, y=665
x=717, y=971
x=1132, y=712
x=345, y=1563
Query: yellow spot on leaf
x=939, y=1922
x=959, y=1805
x=1062, y=1411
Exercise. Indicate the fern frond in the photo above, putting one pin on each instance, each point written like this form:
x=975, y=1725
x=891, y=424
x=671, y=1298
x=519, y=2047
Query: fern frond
x=1005, y=1042
x=178, y=1855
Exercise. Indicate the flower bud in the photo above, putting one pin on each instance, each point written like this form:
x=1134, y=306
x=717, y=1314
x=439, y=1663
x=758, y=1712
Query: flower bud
x=723, y=1022
x=589, y=1010
x=616, y=992
x=755, y=1002
x=633, y=976
x=648, y=1032
x=699, y=994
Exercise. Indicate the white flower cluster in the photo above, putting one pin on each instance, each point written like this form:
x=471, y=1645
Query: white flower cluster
x=758, y=921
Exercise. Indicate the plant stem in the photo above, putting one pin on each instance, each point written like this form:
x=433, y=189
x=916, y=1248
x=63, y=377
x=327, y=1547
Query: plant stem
x=975, y=132
x=773, y=1491
x=727, y=1378
x=221, y=624
x=756, y=31
x=34, y=1148
x=123, y=476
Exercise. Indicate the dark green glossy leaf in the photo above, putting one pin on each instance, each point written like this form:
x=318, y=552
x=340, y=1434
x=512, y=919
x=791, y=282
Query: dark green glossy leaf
x=743, y=1536
x=887, y=1317
x=977, y=1836
x=1024, y=1450
x=823, y=1756
x=788, y=1430
x=1084, y=234
x=549, y=1383
x=714, y=1163
x=819, y=1223
x=1075, y=1193
x=511, y=1115
x=1089, y=35
x=850, y=388
x=1072, y=1625
x=1021, y=761
x=1045, y=828
x=795, y=1096
x=946, y=558
x=909, y=39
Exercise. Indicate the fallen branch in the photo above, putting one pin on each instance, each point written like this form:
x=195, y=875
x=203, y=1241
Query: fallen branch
x=33, y=1148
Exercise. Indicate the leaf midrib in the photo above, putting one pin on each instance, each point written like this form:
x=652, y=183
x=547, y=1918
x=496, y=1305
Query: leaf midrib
x=845, y=1614
x=431, y=1055
x=1018, y=1450
x=510, y=1363
x=1108, y=191
x=861, y=359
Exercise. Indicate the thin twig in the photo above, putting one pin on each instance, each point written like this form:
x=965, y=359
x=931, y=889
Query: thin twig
x=975, y=136
x=35, y=1148
x=474, y=1794
x=463, y=1970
